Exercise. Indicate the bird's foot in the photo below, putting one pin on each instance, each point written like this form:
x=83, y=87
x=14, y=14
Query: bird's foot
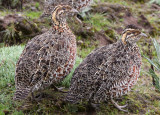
x=59, y=89
x=37, y=97
x=95, y=106
x=118, y=106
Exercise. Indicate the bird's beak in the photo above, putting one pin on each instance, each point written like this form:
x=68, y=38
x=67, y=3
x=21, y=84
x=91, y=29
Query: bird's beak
x=143, y=35
x=74, y=11
x=75, y=15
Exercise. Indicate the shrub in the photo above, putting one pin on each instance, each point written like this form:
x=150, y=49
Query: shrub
x=11, y=35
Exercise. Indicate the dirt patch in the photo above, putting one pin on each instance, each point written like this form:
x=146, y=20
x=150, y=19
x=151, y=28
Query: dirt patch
x=123, y=15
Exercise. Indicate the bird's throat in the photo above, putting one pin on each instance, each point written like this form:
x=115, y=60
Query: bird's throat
x=61, y=27
x=123, y=39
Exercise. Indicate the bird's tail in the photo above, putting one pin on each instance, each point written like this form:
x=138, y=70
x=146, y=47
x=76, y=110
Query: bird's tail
x=21, y=94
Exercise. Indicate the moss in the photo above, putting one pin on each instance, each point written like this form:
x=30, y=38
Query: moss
x=33, y=15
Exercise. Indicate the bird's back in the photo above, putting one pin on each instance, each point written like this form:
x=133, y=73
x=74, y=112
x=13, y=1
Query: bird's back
x=100, y=71
x=46, y=59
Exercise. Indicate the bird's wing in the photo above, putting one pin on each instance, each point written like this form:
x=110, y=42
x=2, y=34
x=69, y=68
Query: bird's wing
x=36, y=59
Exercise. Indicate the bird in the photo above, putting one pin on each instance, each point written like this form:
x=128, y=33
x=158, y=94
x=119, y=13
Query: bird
x=47, y=58
x=80, y=5
x=108, y=72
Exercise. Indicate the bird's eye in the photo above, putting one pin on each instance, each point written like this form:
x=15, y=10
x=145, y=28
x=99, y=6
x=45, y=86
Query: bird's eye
x=64, y=8
x=129, y=33
x=134, y=32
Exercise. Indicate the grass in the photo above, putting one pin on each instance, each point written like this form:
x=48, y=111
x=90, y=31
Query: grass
x=98, y=21
x=155, y=62
x=33, y=15
x=86, y=48
x=143, y=99
x=9, y=57
x=66, y=81
x=124, y=2
x=30, y=14
x=155, y=1
x=142, y=95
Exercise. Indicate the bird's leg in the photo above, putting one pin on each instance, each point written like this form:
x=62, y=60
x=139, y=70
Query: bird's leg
x=37, y=97
x=59, y=89
x=32, y=96
x=95, y=106
x=118, y=106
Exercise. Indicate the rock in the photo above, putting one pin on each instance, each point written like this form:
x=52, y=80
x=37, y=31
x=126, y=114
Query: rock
x=17, y=29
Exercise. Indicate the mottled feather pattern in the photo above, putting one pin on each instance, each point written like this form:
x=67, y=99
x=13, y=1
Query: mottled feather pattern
x=106, y=73
x=46, y=59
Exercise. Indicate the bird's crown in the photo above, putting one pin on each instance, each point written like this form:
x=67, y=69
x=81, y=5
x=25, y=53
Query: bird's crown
x=131, y=34
x=60, y=13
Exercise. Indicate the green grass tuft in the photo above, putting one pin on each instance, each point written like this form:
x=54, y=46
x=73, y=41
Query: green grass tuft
x=9, y=57
x=99, y=21
x=66, y=81
x=33, y=15
x=155, y=1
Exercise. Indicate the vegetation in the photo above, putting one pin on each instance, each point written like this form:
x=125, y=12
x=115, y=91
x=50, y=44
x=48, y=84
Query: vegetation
x=8, y=59
x=155, y=1
x=66, y=81
x=11, y=35
x=33, y=15
x=156, y=64
x=9, y=4
x=143, y=99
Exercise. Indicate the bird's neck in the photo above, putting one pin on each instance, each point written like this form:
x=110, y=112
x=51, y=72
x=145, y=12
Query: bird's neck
x=60, y=28
x=127, y=45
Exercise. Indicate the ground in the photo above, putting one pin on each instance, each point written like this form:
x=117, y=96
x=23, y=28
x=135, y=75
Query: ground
x=102, y=25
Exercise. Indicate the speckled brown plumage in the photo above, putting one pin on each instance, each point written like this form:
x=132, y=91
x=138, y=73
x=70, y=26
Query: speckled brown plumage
x=108, y=72
x=47, y=58
x=77, y=4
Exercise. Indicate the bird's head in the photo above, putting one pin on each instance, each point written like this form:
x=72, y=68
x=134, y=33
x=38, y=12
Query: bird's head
x=131, y=35
x=61, y=12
